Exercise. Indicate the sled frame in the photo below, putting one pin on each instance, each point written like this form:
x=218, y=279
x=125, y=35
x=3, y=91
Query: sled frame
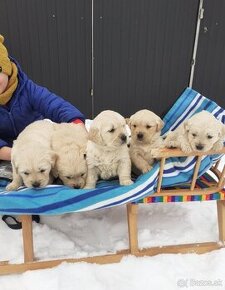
x=30, y=263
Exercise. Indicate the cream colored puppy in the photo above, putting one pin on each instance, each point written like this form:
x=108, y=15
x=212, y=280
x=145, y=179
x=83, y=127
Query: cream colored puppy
x=107, y=151
x=32, y=157
x=202, y=132
x=69, y=141
x=145, y=129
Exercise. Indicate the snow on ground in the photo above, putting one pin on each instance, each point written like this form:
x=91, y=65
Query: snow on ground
x=105, y=231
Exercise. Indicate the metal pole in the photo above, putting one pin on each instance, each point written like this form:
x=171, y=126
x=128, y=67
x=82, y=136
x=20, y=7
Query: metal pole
x=200, y=17
x=92, y=59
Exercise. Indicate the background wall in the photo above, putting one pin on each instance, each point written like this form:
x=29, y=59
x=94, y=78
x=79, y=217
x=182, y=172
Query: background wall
x=51, y=39
x=142, y=50
x=210, y=66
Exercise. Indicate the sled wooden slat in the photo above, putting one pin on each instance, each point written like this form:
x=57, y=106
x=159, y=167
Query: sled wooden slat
x=162, y=164
x=196, y=170
x=166, y=152
x=27, y=238
x=200, y=248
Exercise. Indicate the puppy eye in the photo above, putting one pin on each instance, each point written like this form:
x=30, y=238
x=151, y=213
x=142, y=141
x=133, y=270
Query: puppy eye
x=209, y=137
x=42, y=170
x=82, y=174
x=134, y=126
x=26, y=173
x=112, y=130
x=194, y=135
x=0, y=69
x=85, y=156
x=148, y=127
x=68, y=177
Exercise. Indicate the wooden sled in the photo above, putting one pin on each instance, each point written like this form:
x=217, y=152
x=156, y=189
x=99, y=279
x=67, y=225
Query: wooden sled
x=30, y=263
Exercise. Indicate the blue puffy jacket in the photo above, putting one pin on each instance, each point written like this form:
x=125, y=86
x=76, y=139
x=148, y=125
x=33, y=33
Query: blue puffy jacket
x=29, y=103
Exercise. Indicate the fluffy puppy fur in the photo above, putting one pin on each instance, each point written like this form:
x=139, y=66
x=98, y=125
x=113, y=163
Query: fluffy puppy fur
x=32, y=157
x=107, y=151
x=69, y=141
x=202, y=132
x=145, y=135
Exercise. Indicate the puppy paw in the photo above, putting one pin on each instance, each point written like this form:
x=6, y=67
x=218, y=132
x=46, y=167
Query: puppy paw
x=217, y=146
x=126, y=182
x=12, y=186
x=171, y=144
x=186, y=148
x=89, y=186
x=146, y=168
x=155, y=152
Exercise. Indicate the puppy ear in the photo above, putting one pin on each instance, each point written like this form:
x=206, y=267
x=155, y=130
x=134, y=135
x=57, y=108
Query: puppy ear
x=94, y=136
x=53, y=161
x=83, y=152
x=53, y=158
x=129, y=121
x=14, y=165
x=186, y=125
x=55, y=172
x=160, y=124
x=223, y=131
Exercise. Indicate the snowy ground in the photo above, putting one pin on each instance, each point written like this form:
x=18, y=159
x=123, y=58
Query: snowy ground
x=105, y=231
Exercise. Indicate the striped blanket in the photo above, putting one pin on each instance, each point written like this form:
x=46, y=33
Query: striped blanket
x=57, y=199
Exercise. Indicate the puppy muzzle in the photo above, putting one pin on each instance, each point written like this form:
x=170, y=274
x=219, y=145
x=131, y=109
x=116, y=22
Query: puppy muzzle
x=123, y=138
x=199, y=147
x=36, y=184
x=140, y=136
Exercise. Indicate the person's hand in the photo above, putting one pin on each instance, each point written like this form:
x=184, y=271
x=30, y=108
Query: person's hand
x=79, y=122
x=5, y=153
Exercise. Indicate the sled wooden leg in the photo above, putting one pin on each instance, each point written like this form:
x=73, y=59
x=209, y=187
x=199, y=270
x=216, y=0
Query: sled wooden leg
x=132, y=227
x=27, y=238
x=221, y=219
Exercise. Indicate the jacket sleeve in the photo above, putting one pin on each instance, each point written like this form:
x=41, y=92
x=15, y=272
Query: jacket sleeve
x=3, y=143
x=50, y=105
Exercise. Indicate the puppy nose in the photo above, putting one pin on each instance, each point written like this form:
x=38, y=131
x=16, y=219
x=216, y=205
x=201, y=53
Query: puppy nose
x=76, y=187
x=199, y=146
x=123, y=138
x=140, y=136
x=36, y=184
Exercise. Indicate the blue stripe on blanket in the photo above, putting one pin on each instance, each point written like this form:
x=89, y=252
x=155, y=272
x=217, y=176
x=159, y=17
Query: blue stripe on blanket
x=55, y=199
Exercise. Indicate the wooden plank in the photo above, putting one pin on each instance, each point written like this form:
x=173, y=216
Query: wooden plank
x=217, y=164
x=221, y=179
x=132, y=227
x=35, y=265
x=195, y=174
x=221, y=219
x=162, y=164
x=178, y=192
x=27, y=237
x=216, y=171
x=198, y=248
x=166, y=152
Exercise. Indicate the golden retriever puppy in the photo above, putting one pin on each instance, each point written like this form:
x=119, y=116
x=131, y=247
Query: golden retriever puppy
x=69, y=141
x=32, y=156
x=107, y=151
x=202, y=132
x=145, y=129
